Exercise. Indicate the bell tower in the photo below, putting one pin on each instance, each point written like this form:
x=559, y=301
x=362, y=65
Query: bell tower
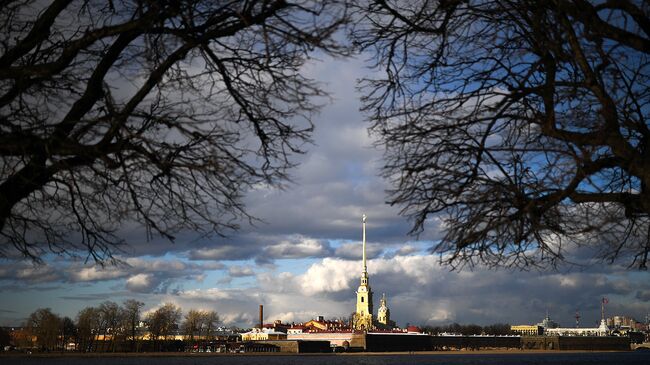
x=362, y=319
x=383, y=314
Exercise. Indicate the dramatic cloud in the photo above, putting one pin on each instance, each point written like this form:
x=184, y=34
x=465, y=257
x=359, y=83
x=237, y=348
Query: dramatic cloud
x=298, y=247
x=28, y=273
x=353, y=251
x=643, y=295
x=143, y=283
x=335, y=182
x=330, y=275
x=302, y=260
x=275, y=247
x=95, y=273
x=223, y=252
x=138, y=275
x=421, y=291
x=405, y=250
x=240, y=271
x=264, y=248
x=213, y=294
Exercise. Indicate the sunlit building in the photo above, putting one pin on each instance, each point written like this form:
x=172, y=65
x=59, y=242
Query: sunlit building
x=527, y=330
x=263, y=334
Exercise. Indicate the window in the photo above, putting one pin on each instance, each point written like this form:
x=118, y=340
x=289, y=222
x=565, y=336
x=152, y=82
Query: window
x=361, y=299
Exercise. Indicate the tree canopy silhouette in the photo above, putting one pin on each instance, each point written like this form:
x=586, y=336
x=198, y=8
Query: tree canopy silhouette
x=161, y=113
x=521, y=125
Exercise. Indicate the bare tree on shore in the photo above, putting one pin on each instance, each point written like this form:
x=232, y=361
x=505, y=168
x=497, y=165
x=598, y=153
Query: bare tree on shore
x=88, y=326
x=164, y=321
x=46, y=327
x=200, y=322
x=132, y=313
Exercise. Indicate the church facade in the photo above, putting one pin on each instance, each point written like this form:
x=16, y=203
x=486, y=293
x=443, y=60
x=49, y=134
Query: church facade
x=363, y=318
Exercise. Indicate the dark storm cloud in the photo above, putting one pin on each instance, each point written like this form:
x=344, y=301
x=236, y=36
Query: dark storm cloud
x=643, y=295
x=336, y=181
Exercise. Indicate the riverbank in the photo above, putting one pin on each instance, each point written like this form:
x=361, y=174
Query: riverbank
x=216, y=354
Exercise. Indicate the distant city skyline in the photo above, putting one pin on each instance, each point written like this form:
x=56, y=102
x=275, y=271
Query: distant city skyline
x=302, y=260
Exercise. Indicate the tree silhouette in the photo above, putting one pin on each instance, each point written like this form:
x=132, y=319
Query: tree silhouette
x=159, y=113
x=521, y=125
x=46, y=327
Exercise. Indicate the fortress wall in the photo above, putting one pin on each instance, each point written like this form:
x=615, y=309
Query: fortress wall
x=587, y=343
x=609, y=343
x=475, y=342
x=376, y=342
x=301, y=347
x=540, y=342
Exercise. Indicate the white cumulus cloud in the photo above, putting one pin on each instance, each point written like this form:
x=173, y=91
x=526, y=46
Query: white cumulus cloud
x=141, y=283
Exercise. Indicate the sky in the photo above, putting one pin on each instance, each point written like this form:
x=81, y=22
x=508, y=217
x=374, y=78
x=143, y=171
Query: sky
x=304, y=259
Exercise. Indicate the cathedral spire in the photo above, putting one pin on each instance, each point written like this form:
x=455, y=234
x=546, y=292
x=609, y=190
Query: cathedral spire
x=363, y=220
x=362, y=319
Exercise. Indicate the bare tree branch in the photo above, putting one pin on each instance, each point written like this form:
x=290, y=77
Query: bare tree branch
x=523, y=125
x=158, y=112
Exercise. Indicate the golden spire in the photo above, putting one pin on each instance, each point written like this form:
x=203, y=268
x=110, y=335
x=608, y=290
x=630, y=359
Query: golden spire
x=363, y=219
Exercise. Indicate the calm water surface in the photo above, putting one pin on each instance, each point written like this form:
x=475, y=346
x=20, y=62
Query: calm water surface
x=627, y=358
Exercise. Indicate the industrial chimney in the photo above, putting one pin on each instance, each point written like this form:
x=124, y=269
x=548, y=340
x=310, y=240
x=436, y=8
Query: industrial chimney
x=261, y=316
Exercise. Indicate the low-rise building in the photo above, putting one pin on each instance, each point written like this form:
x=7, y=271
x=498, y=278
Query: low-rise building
x=617, y=322
x=264, y=334
x=602, y=330
x=320, y=324
x=527, y=330
x=296, y=329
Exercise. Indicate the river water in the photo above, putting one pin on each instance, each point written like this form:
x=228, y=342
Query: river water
x=589, y=358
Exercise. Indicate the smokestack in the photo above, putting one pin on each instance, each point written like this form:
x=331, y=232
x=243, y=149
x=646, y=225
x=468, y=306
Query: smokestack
x=261, y=316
